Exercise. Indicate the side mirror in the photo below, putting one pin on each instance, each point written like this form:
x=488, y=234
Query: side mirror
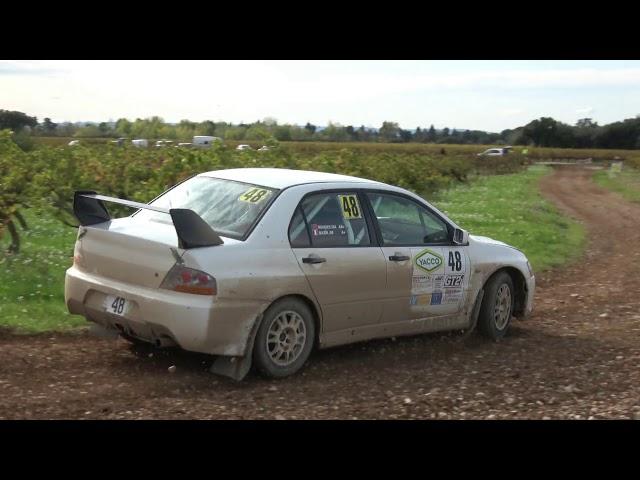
x=460, y=236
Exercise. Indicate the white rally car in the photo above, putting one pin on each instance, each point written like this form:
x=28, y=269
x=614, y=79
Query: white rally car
x=259, y=266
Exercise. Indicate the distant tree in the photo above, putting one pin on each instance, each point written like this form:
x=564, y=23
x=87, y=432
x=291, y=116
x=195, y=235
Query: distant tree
x=350, y=131
x=16, y=121
x=389, y=131
x=405, y=135
x=310, y=127
x=48, y=127
x=432, y=135
x=445, y=132
x=586, y=123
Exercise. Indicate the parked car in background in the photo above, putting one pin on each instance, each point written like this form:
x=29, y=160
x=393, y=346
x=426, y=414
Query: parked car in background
x=495, y=152
x=244, y=147
x=140, y=143
x=73, y=143
x=262, y=265
x=164, y=143
x=204, y=141
x=264, y=148
x=119, y=142
x=184, y=144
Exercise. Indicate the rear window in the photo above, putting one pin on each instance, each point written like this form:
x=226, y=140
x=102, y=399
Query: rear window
x=230, y=208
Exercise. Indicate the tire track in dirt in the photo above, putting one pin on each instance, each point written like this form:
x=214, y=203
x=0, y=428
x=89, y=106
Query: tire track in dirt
x=577, y=356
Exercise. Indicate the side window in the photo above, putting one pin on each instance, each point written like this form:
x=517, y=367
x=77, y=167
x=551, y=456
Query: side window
x=404, y=222
x=334, y=219
x=298, y=233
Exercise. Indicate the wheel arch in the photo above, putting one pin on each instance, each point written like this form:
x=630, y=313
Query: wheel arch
x=315, y=311
x=519, y=285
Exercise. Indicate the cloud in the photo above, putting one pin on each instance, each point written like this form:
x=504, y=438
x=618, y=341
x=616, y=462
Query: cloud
x=585, y=110
x=26, y=67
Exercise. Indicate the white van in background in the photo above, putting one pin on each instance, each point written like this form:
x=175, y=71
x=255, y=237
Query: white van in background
x=140, y=142
x=204, y=141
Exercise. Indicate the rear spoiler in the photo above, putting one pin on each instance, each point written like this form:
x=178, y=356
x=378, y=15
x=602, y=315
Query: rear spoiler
x=192, y=230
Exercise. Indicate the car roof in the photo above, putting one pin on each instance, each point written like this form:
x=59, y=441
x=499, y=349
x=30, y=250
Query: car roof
x=282, y=177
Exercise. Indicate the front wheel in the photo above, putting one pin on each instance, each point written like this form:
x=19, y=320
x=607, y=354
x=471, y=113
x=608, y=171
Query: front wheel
x=285, y=338
x=497, y=306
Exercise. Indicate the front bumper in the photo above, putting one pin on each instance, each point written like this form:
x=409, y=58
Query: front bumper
x=531, y=290
x=196, y=323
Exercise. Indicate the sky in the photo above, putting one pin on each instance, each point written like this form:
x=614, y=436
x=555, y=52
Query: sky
x=472, y=94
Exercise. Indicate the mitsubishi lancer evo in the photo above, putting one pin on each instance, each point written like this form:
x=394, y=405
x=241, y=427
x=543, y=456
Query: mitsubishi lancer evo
x=259, y=266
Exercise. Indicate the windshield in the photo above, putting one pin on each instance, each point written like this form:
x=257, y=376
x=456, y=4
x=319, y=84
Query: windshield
x=230, y=208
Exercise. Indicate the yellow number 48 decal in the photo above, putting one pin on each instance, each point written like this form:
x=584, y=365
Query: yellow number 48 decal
x=254, y=195
x=350, y=206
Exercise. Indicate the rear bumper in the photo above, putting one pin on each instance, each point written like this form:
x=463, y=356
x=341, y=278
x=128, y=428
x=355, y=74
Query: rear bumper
x=196, y=323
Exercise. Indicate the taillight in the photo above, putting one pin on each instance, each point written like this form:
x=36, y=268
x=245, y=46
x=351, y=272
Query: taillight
x=189, y=280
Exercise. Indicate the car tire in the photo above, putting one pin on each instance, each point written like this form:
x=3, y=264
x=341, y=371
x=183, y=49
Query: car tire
x=497, y=306
x=285, y=338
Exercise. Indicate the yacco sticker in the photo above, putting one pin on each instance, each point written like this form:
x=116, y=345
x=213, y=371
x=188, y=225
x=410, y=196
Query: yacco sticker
x=436, y=298
x=350, y=206
x=428, y=260
x=254, y=195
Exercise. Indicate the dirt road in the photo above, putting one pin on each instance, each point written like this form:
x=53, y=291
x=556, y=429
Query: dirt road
x=578, y=356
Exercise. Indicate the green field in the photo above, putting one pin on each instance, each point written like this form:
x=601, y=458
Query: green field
x=505, y=207
x=626, y=182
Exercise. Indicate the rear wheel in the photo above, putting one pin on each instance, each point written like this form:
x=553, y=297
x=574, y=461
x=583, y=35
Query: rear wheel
x=497, y=306
x=285, y=338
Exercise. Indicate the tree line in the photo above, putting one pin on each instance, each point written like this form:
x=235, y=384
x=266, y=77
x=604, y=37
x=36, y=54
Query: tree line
x=543, y=132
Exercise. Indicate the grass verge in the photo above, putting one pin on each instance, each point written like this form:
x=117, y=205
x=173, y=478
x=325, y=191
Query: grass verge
x=32, y=282
x=510, y=208
x=626, y=182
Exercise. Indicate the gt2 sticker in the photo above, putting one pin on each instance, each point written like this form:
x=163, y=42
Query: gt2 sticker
x=254, y=195
x=453, y=280
x=350, y=206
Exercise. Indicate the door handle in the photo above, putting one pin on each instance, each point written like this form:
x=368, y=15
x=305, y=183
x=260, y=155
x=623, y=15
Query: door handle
x=313, y=260
x=398, y=258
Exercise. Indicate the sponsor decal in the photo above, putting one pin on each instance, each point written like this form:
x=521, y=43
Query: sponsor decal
x=451, y=299
x=436, y=298
x=321, y=230
x=420, y=299
x=429, y=260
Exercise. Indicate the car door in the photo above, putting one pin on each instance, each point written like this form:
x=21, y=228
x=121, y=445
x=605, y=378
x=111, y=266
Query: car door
x=427, y=275
x=332, y=241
